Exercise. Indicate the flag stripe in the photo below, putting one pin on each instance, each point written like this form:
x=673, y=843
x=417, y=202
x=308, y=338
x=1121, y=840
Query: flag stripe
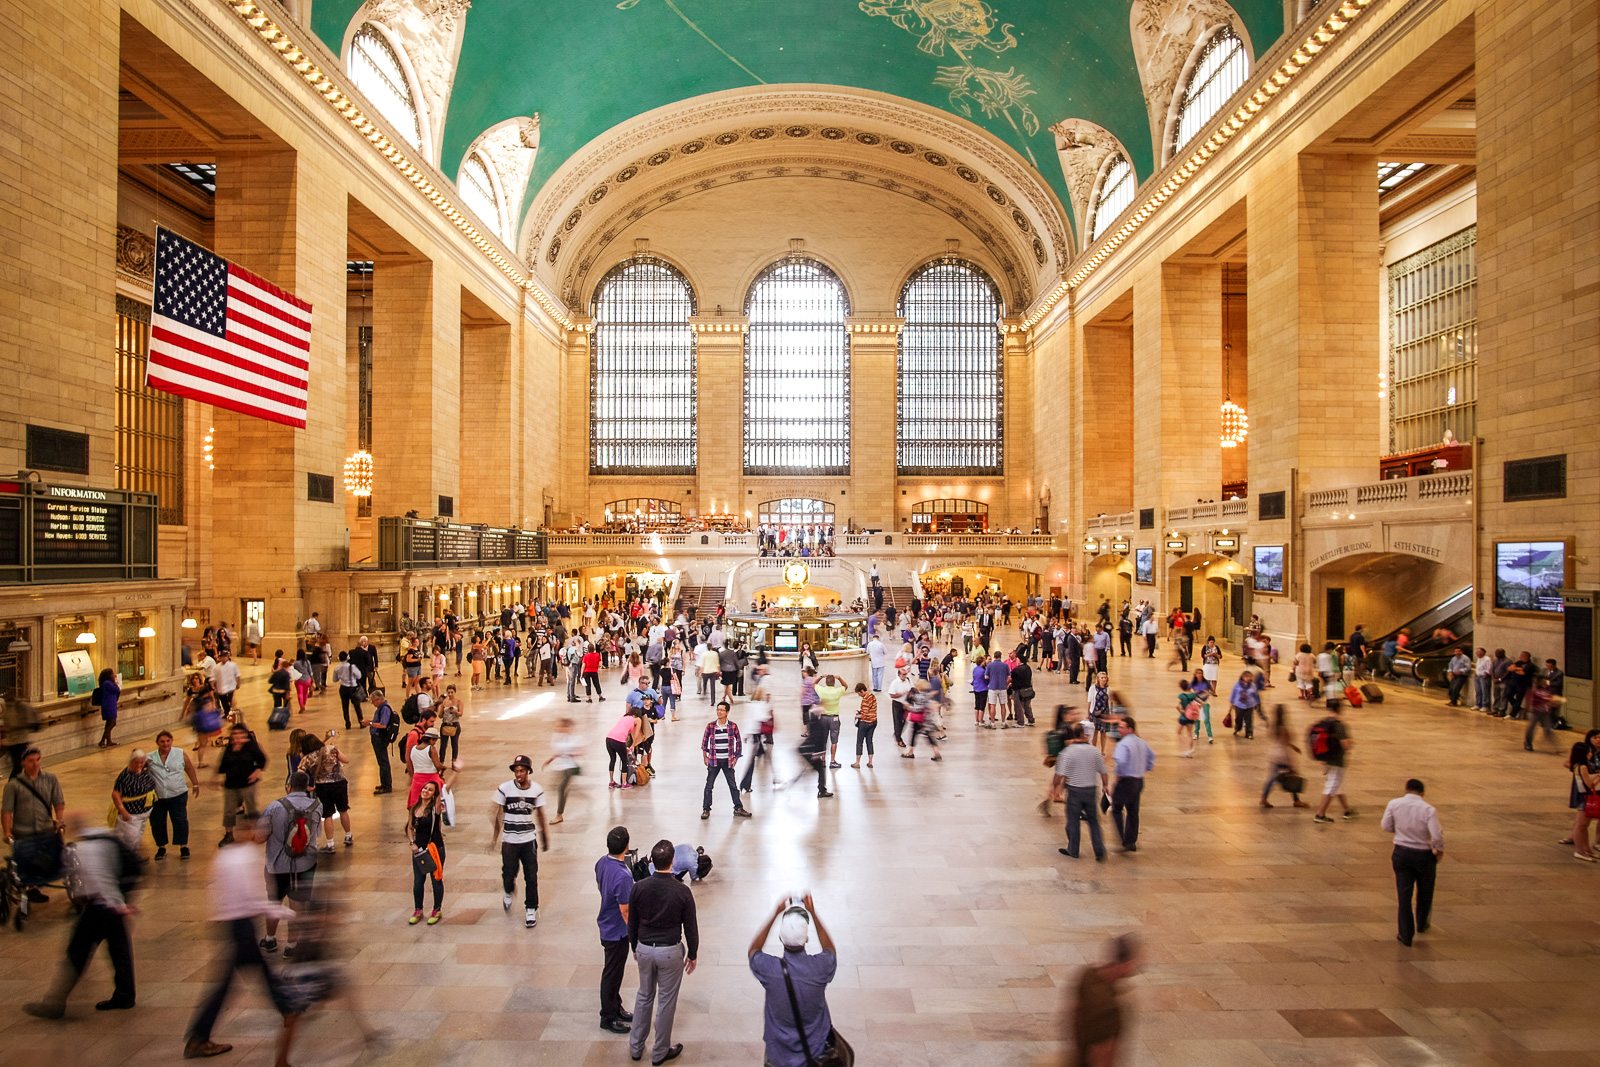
x=207, y=393
x=240, y=361
x=240, y=297
x=222, y=374
x=292, y=305
x=266, y=341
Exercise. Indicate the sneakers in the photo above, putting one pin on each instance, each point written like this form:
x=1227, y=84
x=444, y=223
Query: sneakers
x=834, y=765
x=161, y=853
x=327, y=848
x=1320, y=818
x=113, y=1005
x=1351, y=815
x=506, y=902
x=46, y=1009
x=416, y=917
x=530, y=918
x=705, y=814
x=433, y=919
x=183, y=852
x=268, y=944
x=227, y=839
x=743, y=813
x=1587, y=857
x=349, y=840
x=821, y=793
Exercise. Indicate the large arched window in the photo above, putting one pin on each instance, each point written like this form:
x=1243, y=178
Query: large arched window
x=1112, y=194
x=480, y=191
x=797, y=371
x=378, y=73
x=949, y=413
x=1218, y=71
x=642, y=371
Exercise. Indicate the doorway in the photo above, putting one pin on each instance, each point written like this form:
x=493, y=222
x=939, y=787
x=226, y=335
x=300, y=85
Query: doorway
x=1333, y=628
x=253, y=619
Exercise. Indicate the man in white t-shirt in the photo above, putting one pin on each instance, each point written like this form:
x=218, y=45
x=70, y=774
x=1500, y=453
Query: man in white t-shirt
x=225, y=680
x=518, y=807
x=878, y=658
x=899, y=686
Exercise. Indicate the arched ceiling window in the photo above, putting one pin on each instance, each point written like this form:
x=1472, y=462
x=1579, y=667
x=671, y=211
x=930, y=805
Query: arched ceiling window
x=1218, y=71
x=797, y=371
x=1113, y=193
x=376, y=69
x=481, y=193
x=950, y=415
x=642, y=371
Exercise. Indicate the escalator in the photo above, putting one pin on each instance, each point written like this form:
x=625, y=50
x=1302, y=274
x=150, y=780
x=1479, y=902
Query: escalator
x=1435, y=635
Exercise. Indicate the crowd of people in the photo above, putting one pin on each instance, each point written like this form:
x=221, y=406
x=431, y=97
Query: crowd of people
x=919, y=660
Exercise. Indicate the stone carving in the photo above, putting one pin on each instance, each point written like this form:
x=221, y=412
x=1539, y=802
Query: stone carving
x=136, y=252
x=1015, y=283
x=738, y=108
x=430, y=32
x=1084, y=147
x=1165, y=33
x=511, y=148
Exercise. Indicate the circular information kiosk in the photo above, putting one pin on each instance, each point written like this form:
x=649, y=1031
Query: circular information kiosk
x=837, y=637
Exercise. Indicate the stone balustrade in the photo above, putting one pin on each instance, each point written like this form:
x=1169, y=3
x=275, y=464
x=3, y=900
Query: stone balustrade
x=1396, y=494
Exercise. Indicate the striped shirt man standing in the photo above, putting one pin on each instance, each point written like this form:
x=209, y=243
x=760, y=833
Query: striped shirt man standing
x=720, y=748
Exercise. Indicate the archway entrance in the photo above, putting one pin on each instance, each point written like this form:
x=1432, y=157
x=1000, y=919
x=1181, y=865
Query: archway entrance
x=1111, y=578
x=1200, y=582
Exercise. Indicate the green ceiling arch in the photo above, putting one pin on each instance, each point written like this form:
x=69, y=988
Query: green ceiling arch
x=585, y=66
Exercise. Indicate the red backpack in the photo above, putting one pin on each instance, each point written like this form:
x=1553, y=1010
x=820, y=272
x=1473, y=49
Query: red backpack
x=1322, y=740
x=299, y=832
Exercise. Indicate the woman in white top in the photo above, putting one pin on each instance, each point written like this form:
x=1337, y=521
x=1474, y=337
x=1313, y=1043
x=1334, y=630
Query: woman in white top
x=565, y=746
x=1305, y=672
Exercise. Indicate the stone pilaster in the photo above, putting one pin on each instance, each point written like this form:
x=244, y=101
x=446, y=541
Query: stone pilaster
x=416, y=383
x=1177, y=361
x=491, y=480
x=874, y=387
x=719, y=386
x=1106, y=417
x=285, y=220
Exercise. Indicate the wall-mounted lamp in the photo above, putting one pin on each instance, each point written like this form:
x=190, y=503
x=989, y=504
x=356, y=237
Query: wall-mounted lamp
x=86, y=638
x=147, y=631
x=1176, y=544
x=189, y=624
x=1119, y=545
x=1091, y=545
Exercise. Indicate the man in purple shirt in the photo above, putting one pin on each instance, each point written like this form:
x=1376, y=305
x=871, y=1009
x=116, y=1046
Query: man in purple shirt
x=615, y=882
x=999, y=678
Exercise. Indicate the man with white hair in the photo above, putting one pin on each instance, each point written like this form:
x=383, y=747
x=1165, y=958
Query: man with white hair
x=798, y=1029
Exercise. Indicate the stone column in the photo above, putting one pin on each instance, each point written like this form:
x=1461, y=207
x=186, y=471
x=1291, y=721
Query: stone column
x=719, y=387
x=416, y=387
x=1176, y=389
x=1021, y=500
x=1105, y=415
x=58, y=332
x=1538, y=301
x=874, y=387
x=491, y=406
x=285, y=220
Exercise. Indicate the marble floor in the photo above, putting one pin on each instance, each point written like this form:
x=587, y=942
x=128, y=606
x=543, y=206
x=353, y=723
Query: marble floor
x=1268, y=939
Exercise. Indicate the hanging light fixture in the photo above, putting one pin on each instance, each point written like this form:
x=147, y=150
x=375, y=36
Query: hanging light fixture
x=358, y=469
x=1235, y=422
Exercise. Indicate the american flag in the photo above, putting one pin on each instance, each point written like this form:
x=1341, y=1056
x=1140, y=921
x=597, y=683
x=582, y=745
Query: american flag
x=223, y=336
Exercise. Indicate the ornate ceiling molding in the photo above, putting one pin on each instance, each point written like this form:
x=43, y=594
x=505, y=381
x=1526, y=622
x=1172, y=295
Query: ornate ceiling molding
x=870, y=122
x=1084, y=147
x=1165, y=34
x=1018, y=252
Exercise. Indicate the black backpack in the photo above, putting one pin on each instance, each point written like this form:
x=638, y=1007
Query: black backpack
x=411, y=710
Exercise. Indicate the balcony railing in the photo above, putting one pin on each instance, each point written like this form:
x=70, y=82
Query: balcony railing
x=1122, y=520
x=1394, y=494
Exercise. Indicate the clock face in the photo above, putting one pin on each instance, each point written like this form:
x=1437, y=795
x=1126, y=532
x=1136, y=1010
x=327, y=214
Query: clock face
x=796, y=573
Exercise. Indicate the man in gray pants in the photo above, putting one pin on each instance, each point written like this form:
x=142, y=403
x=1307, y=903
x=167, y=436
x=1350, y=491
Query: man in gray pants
x=665, y=938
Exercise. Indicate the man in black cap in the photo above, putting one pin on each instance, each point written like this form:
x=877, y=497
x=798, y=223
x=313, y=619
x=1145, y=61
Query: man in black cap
x=517, y=804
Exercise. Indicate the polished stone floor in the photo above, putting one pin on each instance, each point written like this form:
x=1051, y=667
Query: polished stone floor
x=1269, y=940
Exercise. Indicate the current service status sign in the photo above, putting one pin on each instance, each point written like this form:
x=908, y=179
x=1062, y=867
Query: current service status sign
x=63, y=533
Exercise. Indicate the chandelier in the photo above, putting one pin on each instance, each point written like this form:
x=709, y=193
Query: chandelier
x=1235, y=423
x=358, y=470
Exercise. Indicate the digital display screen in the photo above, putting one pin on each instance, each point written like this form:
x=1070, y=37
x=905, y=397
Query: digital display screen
x=1268, y=570
x=1528, y=575
x=1144, y=565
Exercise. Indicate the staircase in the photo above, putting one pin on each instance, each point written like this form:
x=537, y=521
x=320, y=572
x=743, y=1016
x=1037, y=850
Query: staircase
x=898, y=595
x=704, y=599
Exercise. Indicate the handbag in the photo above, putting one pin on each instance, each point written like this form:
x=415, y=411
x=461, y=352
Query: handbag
x=836, y=1051
x=449, y=729
x=1591, y=805
x=1291, y=782
x=1227, y=720
x=424, y=862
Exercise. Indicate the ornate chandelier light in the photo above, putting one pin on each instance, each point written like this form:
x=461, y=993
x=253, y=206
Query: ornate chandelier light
x=358, y=470
x=1235, y=422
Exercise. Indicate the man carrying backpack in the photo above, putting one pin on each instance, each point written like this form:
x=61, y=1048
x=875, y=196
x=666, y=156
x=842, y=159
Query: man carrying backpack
x=1329, y=744
x=292, y=825
x=108, y=871
x=384, y=727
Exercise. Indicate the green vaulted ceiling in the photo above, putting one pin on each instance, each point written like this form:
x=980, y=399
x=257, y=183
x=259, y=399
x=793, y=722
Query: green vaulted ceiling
x=1011, y=66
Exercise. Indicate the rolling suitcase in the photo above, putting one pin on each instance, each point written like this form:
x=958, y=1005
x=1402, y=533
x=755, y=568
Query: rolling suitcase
x=1372, y=693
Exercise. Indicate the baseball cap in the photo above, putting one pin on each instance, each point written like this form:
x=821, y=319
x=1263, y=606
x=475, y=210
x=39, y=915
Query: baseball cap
x=522, y=761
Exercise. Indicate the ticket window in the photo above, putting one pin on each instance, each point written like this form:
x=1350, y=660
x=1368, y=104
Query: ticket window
x=135, y=661
x=82, y=655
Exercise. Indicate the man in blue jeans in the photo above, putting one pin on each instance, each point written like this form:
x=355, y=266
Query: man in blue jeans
x=720, y=748
x=1083, y=769
x=378, y=728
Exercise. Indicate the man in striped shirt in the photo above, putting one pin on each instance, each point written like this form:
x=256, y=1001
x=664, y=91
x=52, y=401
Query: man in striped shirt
x=720, y=748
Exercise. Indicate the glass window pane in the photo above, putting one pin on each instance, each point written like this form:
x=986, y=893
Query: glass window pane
x=642, y=394
x=377, y=72
x=797, y=371
x=951, y=415
x=1218, y=73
